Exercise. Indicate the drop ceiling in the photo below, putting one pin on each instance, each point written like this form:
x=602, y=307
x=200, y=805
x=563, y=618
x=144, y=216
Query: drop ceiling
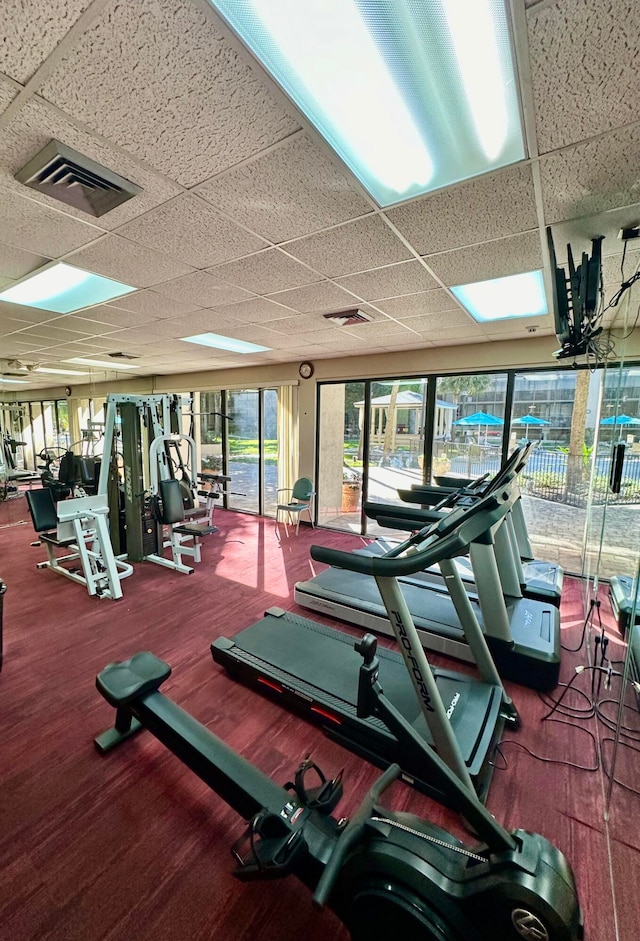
x=247, y=225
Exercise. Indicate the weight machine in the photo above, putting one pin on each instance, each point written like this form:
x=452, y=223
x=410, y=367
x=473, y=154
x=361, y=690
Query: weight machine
x=151, y=510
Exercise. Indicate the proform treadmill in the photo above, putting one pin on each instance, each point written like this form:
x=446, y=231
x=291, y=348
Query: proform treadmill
x=314, y=669
x=539, y=580
x=523, y=635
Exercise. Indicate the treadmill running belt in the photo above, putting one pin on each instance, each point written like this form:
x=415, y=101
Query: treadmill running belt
x=314, y=669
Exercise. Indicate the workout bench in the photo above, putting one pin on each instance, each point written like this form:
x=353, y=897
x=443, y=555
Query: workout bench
x=79, y=525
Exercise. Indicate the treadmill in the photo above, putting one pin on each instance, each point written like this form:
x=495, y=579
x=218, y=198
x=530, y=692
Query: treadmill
x=523, y=635
x=539, y=580
x=313, y=669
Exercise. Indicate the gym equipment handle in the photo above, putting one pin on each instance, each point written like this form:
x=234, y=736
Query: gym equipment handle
x=351, y=834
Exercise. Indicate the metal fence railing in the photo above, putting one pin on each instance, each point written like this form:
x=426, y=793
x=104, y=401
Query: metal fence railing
x=546, y=474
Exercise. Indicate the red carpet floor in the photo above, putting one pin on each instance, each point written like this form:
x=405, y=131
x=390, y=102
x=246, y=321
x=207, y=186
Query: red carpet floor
x=133, y=846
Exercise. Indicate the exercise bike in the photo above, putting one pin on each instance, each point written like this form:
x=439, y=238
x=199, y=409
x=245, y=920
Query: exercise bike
x=385, y=874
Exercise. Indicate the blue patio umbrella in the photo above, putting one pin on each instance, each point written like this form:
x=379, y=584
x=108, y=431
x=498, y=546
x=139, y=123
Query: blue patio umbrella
x=478, y=418
x=620, y=420
x=530, y=420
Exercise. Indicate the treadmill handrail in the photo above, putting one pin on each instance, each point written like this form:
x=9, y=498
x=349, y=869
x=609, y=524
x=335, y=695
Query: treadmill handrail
x=444, y=540
x=514, y=465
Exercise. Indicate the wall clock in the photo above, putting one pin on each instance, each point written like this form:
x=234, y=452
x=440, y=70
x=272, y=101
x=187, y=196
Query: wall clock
x=306, y=370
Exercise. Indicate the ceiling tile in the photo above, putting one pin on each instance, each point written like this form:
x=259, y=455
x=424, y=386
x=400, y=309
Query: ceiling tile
x=29, y=225
x=156, y=305
x=207, y=321
x=466, y=332
x=189, y=229
x=255, y=310
x=50, y=331
x=266, y=272
x=516, y=327
x=411, y=305
x=592, y=177
x=292, y=190
x=408, y=277
x=8, y=91
x=495, y=259
x=585, y=68
x=158, y=330
x=455, y=317
x=31, y=30
x=85, y=325
x=309, y=323
x=324, y=296
x=488, y=207
x=37, y=123
x=376, y=331
x=28, y=314
x=356, y=246
x=113, y=318
x=158, y=78
x=15, y=263
x=126, y=261
x=201, y=289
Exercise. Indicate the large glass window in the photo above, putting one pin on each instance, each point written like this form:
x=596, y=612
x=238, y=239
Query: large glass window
x=341, y=443
x=557, y=410
x=469, y=425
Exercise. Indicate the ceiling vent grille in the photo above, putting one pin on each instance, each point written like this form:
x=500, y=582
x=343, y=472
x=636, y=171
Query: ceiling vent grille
x=347, y=318
x=74, y=179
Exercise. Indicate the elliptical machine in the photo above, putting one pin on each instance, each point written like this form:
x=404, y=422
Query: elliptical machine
x=384, y=873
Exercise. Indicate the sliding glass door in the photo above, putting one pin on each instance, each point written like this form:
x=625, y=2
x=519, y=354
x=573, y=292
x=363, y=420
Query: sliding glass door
x=238, y=438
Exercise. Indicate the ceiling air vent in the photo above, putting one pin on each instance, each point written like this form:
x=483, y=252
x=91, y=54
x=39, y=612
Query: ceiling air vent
x=74, y=179
x=347, y=318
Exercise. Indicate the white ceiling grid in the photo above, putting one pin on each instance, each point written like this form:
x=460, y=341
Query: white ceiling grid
x=248, y=225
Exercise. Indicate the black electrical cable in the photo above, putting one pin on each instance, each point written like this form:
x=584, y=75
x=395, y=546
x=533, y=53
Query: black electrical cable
x=594, y=603
x=558, y=761
x=571, y=712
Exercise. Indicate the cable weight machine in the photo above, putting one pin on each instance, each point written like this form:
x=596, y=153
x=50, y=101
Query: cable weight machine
x=142, y=439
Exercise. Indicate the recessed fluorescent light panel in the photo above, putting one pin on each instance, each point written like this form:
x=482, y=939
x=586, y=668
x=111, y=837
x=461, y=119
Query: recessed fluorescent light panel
x=101, y=363
x=218, y=342
x=63, y=288
x=519, y=295
x=18, y=382
x=413, y=95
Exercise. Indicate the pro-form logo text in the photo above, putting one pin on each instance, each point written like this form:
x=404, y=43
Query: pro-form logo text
x=415, y=667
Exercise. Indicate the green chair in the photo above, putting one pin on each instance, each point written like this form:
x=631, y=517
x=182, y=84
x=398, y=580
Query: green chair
x=302, y=493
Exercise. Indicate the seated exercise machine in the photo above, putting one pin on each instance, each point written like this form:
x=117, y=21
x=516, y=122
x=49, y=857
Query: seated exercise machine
x=151, y=509
x=523, y=635
x=176, y=504
x=385, y=874
x=79, y=525
x=310, y=668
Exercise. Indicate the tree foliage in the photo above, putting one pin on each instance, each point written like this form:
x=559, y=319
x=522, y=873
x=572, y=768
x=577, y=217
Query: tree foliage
x=464, y=385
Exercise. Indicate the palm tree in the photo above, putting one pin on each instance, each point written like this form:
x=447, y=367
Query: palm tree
x=576, y=456
x=464, y=385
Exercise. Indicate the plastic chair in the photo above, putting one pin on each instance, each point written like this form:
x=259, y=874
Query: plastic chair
x=301, y=495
